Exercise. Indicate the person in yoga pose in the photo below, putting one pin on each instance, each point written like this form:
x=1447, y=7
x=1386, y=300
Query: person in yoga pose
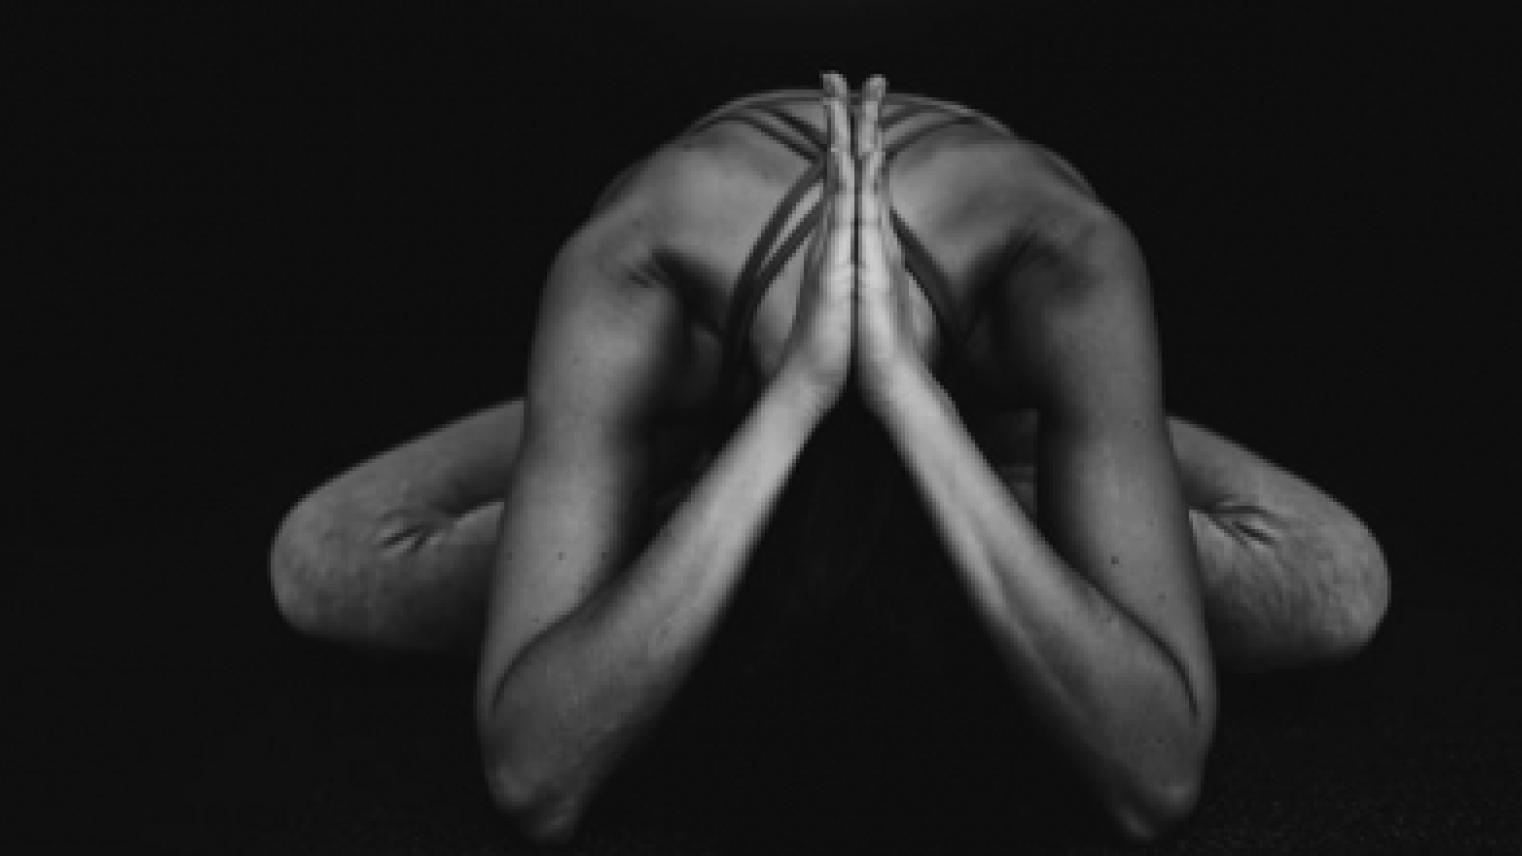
x=957, y=292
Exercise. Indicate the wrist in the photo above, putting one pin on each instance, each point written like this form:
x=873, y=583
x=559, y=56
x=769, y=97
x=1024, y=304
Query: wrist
x=804, y=400
x=904, y=394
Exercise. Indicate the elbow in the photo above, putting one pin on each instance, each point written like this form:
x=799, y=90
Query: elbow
x=1151, y=796
x=536, y=797
x=539, y=809
x=1146, y=812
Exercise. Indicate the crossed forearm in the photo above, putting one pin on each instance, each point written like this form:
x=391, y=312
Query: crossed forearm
x=580, y=695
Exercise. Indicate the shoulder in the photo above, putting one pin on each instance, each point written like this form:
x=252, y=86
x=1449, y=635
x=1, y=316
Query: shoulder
x=1064, y=285
x=695, y=176
x=612, y=275
x=1036, y=213
x=622, y=243
x=981, y=175
x=619, y=307
x=688, y=215
x=699, y=190
x=982, y=197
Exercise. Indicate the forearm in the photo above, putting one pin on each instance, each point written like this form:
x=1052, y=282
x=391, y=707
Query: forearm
x=1108, y=687
x=583, y=691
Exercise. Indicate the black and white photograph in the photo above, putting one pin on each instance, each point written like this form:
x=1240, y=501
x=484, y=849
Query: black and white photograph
x=762, y=428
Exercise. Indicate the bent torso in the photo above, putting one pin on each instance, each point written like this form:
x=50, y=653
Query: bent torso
x=691, y=213
x=687, y=218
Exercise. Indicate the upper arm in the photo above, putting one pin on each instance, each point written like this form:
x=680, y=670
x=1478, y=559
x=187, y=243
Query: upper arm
x=1075, y=321
x=606, y=353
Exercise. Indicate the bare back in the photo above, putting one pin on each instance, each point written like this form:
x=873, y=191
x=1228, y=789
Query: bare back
x=692, y=211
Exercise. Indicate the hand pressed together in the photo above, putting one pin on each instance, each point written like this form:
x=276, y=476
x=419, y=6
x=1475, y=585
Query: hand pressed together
x=853, y=317
x=887, y=349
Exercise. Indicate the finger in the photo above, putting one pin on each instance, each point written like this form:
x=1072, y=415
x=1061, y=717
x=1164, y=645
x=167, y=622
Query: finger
x=878, y=249
x=836, y=132
x=839, y=214
x=871, y=215
x=869, y=129
x=882, y=207
x=839, y=201
x=836, y=118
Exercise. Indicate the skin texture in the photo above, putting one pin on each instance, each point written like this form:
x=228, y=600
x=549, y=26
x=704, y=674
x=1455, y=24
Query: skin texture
x=1106, y=548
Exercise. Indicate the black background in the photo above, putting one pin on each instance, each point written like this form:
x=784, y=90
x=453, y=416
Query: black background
x=257, y=246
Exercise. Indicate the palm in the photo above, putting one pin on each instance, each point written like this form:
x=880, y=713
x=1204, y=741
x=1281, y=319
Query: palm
x=819, y=346
x=885, y=339
x=853, y=310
